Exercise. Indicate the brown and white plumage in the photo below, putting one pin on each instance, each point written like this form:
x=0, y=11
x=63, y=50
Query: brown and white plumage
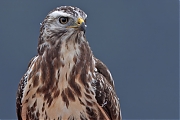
x=65, y=81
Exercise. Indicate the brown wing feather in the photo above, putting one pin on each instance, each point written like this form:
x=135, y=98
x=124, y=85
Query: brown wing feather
x=19, y=95
x=105, y=91
x=103, y=70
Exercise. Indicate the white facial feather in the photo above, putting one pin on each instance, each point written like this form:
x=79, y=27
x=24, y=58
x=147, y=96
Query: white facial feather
x=56, y=14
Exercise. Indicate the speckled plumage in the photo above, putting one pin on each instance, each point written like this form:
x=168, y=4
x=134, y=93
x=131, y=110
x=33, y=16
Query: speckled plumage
x=65, y=80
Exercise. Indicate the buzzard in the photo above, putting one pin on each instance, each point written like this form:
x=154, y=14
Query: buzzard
x=65, y=81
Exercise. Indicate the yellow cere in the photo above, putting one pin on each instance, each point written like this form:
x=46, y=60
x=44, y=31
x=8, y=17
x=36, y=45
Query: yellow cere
x=80, y=21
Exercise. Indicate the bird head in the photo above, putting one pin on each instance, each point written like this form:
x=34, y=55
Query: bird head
x=64, y=19
x=62, y=24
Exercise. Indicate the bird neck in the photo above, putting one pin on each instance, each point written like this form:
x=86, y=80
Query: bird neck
x=65, y=67
x=66, y=59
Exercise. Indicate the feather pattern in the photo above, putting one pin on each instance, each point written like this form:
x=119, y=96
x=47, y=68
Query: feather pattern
x=65, y=80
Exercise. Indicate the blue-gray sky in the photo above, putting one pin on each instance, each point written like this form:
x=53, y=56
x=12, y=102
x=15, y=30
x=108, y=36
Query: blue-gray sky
x=136, y=39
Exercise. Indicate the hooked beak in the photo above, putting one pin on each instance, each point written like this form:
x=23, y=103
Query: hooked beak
x=80, y=24
x=82, y=27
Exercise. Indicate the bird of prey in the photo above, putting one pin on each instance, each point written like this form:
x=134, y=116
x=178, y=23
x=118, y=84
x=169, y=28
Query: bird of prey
x=65, y=81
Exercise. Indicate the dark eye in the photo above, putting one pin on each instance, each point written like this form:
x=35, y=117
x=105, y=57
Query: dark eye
x=63, y=20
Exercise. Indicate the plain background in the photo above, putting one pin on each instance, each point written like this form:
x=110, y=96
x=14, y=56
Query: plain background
x=136, y=39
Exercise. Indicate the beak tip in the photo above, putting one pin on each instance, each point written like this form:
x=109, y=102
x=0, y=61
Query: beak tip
x=83, y=27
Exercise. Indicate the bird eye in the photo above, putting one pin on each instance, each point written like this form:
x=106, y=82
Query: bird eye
x=63, y=20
